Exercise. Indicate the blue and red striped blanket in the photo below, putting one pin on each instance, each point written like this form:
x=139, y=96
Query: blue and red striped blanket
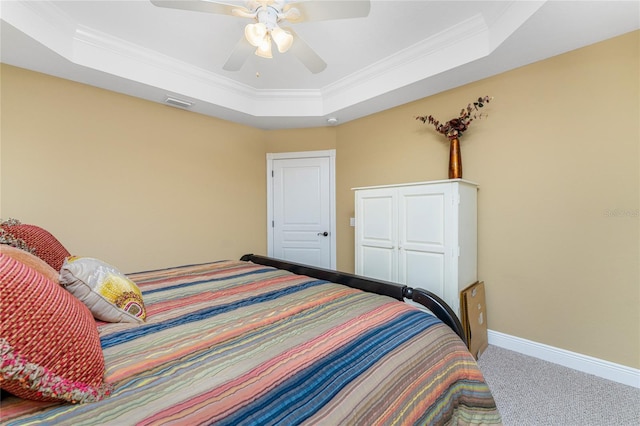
x=234, y=343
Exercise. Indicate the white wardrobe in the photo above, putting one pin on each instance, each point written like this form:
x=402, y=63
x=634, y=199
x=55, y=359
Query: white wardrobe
x=421, y=234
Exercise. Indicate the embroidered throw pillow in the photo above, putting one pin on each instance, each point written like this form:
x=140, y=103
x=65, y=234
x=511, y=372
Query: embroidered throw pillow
x=109, y=294
x=47, y=247
x=49, y=342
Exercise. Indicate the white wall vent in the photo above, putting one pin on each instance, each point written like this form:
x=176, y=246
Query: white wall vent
x=178, y=102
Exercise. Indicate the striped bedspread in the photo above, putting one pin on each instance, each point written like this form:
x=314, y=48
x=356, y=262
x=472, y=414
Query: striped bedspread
x=235, y=343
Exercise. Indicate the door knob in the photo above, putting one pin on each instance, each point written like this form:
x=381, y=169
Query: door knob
x=324, y=234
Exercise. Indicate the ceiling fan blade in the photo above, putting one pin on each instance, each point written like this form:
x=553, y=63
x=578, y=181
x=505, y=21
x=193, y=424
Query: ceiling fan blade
x=198, y=6
x=306, y=54
x=239, y=55
x=325, y=10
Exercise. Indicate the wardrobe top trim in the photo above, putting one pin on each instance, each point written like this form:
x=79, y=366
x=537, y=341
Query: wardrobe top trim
x=431, y=182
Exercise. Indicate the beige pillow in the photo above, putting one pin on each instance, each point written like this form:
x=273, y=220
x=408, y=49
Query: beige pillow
x=109, y=294
x=31, y=260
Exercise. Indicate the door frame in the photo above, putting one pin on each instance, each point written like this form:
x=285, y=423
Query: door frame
x=331, y=154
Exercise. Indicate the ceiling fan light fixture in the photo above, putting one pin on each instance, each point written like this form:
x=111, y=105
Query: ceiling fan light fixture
x=282, y=38
x=255, y=33
x=264, y=49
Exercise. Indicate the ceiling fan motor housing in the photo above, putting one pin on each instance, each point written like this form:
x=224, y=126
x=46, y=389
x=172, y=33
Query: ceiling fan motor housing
x=268, y=16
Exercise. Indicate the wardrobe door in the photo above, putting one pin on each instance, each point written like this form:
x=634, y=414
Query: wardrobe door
x=376, y=234
x=422, y=250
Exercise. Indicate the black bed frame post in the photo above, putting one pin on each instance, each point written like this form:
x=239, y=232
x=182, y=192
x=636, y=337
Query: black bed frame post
x=439, y=308
x=427, y=299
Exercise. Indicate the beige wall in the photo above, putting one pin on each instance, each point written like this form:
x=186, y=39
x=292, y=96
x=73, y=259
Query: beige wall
x=294, y=140
x=137, y=184
x=557, y=161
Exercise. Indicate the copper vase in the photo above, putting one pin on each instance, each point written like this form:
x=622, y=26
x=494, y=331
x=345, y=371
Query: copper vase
x=455, y=160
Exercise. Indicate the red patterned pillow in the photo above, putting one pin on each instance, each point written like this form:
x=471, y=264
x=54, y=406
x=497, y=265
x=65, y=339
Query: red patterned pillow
x=49, y=342
x=46, y=246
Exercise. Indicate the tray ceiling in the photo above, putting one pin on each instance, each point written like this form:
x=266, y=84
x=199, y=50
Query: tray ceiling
x=403, y=51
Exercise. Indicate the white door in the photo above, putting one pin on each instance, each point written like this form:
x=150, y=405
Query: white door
x=302, y=208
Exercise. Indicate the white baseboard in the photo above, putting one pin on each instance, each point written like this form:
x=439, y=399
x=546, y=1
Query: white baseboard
x=587, y=364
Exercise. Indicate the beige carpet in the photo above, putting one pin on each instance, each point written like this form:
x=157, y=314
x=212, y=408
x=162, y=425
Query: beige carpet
x=529, y=391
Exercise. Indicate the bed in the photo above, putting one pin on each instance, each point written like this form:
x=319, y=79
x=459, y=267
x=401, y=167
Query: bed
x=263, y=341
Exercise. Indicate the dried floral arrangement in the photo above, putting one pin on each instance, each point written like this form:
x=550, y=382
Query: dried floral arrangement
x=455, y=127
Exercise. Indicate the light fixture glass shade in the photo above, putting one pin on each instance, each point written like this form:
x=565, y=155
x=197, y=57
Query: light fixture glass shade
x=282, y=38
x=255, y=33
x=264, y=50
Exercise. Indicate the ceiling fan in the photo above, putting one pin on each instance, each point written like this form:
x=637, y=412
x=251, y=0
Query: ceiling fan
x=265, y=29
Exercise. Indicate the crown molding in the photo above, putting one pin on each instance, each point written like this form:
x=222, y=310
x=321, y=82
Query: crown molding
x=457, y=45
x=414, y=63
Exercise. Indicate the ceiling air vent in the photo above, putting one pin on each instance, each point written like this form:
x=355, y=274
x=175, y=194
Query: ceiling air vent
x=178, y=102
